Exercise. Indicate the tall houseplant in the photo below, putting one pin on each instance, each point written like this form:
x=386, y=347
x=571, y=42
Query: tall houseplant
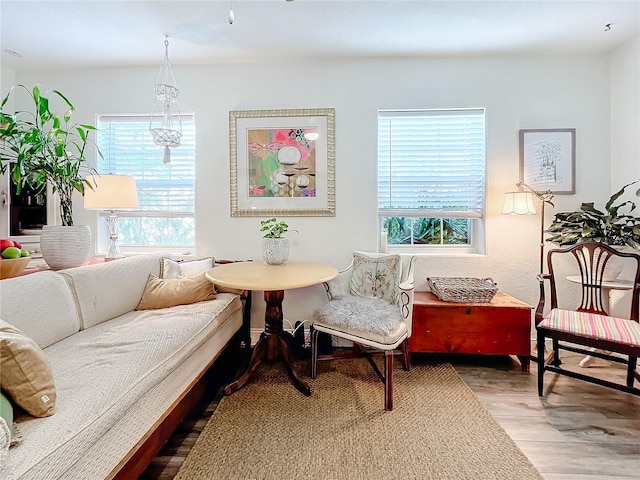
x=615, y=225
x=41, y=147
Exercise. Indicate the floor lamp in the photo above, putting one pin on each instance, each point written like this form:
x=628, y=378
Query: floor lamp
x=522, y=202
x=111, y=193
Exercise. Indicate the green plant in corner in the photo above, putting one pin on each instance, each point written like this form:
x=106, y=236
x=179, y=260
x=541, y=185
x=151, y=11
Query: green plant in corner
x=610, y=227
x=274, y=228
x=41, y=146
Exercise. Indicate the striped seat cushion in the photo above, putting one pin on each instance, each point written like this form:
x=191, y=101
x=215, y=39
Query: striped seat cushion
x=591, y=325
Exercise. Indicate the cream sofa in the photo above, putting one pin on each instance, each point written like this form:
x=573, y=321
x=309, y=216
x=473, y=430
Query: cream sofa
x=123, y=378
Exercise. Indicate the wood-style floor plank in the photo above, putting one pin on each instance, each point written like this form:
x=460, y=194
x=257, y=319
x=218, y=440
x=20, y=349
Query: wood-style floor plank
x=578, y=431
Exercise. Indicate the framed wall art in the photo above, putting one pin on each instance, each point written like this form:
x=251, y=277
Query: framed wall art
x=282, y=162
x=547, y=159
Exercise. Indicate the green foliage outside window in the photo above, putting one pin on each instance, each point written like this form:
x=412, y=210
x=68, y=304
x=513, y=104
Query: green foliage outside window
x=427, y=231
x=172, y=231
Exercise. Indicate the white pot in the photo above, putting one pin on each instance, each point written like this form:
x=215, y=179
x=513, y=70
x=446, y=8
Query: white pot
x=275, y=251
x=65, y=246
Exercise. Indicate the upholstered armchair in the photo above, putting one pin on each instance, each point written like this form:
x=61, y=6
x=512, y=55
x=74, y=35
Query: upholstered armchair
x=370, y=304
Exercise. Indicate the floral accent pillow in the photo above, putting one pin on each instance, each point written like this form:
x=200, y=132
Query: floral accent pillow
x=375, y=276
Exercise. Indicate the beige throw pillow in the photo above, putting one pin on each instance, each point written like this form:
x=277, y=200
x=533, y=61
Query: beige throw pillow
x=168, y=292
x=25, y=373
x=172, y=269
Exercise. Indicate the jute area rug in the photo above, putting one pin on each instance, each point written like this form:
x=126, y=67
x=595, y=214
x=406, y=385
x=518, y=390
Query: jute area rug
x=437, y=430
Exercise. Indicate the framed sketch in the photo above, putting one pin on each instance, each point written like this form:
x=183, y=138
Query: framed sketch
x=282, y=162
x=547, y=159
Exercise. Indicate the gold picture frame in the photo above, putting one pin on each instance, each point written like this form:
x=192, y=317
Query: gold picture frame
x=282, y=162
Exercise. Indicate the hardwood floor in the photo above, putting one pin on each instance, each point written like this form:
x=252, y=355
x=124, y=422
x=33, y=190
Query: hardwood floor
x=577, y=431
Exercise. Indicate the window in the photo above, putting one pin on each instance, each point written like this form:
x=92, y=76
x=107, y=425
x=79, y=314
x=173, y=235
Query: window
x=166, y=192
x=431, y=178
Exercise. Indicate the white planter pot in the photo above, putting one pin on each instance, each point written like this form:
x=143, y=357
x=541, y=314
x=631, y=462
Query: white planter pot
x=275, y=251
x=65, y=246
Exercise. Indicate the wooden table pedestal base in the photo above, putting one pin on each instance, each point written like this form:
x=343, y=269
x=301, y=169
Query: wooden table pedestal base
x=274, y=345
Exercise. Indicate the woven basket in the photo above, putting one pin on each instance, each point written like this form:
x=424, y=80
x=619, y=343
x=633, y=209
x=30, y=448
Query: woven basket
x=457, y=289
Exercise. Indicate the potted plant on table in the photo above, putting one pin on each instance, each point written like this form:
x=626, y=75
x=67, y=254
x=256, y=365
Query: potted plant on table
x=39, y=148
x=275, y=247
x=615, y=226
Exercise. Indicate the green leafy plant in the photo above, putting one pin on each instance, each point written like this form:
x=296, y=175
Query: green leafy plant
x=610, y=227
x=41, y=146
x=274, y=228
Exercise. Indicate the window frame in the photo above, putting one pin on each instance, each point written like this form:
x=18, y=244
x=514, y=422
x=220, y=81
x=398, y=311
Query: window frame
x=477, y=223
x=103, y=166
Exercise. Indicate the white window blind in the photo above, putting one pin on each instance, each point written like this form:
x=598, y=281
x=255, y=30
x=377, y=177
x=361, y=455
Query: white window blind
x=431, y=163
x=166, y=192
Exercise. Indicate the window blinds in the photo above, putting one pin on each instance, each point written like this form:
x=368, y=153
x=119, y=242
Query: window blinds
x=431, y=163
x=128, y=149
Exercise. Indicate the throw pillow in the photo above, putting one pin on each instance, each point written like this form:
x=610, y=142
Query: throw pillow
x=172, y=269
x=5, y=442
x=375, y=276
x=26, y=375
x=168, y=292
x=6, y=413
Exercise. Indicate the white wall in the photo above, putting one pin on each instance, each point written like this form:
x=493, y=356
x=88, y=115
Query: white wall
x=625, y=117
x=518, y=92
x=7, y=80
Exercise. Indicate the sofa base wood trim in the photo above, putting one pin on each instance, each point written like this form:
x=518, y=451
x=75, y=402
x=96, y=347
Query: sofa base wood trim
x=140, y=456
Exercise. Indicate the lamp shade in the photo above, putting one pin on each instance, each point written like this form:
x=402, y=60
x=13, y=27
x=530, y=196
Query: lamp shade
x=111, y=192
x=518, y=203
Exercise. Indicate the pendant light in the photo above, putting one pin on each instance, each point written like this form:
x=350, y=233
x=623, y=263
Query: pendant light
x=161, y=125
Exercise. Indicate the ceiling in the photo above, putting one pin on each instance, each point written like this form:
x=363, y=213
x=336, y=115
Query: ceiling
x=81, y=34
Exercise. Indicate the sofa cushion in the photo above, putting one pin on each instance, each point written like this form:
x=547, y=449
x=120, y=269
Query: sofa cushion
x=26, y=374
x=169, y=292
x=50, y=319
x=102, y=374
x=108, y=290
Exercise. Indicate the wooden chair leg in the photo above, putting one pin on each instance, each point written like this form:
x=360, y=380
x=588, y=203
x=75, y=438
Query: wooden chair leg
x=541, y=362
x=556, y=354
x=405, y=355
x=313, y=337
x=388, y=380
x=631, y=370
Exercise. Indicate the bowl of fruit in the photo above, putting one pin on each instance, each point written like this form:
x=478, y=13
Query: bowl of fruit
x=13, y=258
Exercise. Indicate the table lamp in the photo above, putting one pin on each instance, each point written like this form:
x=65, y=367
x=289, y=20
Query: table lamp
x=111, y=193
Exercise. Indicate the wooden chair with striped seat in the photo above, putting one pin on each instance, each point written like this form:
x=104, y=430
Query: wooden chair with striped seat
x=589, y=329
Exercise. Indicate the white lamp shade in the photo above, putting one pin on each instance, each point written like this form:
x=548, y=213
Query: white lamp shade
x=518, y=203
x=111, y=192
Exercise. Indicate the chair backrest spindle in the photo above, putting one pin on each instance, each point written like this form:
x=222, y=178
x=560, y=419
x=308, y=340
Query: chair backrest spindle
x=592, y=259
